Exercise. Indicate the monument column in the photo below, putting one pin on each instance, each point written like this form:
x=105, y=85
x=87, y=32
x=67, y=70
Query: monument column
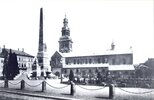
x=42, y=56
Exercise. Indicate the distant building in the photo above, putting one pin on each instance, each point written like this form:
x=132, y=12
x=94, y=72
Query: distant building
x=24, y=59
x=150, y=64
x=111, y=62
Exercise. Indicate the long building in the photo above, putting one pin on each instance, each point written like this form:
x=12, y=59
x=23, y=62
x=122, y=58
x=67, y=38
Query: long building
x=111, y=62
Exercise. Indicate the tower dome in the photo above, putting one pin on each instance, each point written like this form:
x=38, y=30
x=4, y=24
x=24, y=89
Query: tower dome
x=65, y=41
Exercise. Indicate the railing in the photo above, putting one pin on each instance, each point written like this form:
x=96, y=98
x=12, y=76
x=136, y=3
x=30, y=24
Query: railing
x=72, y=85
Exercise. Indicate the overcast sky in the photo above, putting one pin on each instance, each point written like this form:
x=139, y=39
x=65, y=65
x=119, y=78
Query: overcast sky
x=94, y=24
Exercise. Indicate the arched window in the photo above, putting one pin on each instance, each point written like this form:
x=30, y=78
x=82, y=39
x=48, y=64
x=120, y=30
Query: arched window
x=74, y=61
x=113, y=61
x=90, y=61
x=67, y=61
x=124, y=61
x=24, y=65
x=86, y=61
x=98, y=60
x=78, y=61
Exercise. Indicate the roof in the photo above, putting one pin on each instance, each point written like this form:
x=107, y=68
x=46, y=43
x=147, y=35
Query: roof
x=17, y=52
x=110, y=67
x=121, y=67
x=108, y=52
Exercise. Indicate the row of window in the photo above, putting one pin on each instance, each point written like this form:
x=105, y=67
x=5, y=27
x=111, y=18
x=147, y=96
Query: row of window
x=23, y=59
x=21, y=65
x=79, y=71
x=86, y=61
x=92, y=61
x=123, y=61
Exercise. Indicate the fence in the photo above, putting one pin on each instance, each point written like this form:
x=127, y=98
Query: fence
x=72, y=85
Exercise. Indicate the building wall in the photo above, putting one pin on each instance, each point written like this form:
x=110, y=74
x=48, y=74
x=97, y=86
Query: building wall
x=111, y=59
x=25, y=62
x=120, y=59
x=115, y=59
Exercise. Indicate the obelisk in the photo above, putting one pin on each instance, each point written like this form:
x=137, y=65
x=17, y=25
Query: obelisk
x=43, y=60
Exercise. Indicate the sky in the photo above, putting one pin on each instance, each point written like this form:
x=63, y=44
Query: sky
x=94, y=25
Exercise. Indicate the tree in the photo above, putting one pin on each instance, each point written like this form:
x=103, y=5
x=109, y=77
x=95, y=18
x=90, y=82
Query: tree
x=5, y=66
x=71, y=76
x=11, y=68
x=15, y=67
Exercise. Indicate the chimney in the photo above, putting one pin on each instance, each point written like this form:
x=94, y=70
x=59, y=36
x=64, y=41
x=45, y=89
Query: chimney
x=112, y=46
x=22, y=49
x=3, y=46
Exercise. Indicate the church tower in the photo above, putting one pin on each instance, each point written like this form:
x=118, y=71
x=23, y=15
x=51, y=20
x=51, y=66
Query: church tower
x=65, y=41
x=42, y=56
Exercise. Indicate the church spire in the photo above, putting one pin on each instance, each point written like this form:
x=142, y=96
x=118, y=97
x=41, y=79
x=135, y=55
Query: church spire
x=65, y=41
x=65, y=28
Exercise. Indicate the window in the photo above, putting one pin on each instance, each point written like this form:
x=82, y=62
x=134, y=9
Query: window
x=78, y=61
x=90, y=61
x=113, y=61
x=74, y=61
x=86, y=61
x=90, y=71
x=98, y=60
x=124, y=61
x=67, y=61
x=105, y=60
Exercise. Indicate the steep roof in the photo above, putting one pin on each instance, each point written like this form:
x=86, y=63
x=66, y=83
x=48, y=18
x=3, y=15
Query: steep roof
x=20, y=53
x=108, y=52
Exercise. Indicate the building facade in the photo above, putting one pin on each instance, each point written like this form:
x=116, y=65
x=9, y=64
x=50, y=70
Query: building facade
x=24, y=59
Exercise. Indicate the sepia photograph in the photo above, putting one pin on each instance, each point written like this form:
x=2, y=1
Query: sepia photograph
x=76, y=50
